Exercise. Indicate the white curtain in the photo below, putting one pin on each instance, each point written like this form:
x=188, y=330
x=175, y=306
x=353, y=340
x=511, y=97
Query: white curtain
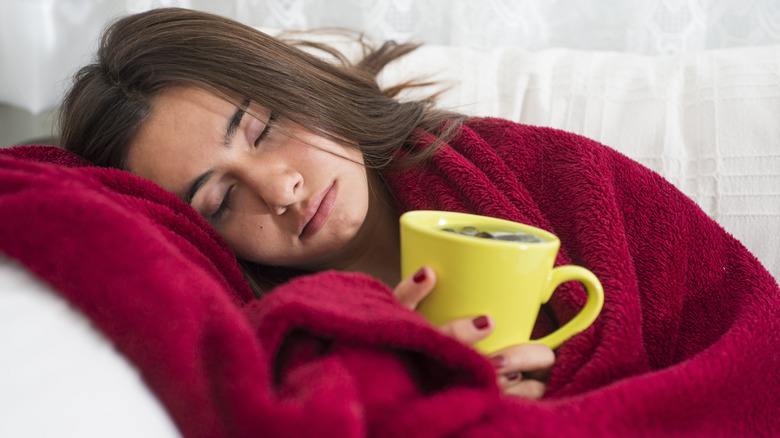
x=44, y=41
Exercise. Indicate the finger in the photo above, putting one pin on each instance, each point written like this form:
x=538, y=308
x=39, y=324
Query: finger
x=533, y=360
x=540, y=375
x=519, y=387
x=411, y=290
x=468, y=330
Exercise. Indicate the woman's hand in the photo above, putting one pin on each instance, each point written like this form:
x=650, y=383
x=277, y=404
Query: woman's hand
x=522, y=369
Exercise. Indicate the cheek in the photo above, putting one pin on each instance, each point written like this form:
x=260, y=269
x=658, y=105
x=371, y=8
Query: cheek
x=358, y=199
x=246, y=239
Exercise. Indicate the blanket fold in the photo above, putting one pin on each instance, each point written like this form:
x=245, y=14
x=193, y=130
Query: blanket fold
x=686, y=344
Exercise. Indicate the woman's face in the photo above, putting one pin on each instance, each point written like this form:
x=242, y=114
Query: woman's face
x=290, y=200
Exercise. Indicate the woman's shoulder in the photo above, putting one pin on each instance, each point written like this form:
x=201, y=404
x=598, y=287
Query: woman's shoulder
x=503, y=133
x=509, y=141
x=490, y=124
x=499, y=126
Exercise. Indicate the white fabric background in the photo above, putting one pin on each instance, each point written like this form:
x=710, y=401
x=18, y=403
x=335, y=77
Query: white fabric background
x=44, y=41
x=707, y=121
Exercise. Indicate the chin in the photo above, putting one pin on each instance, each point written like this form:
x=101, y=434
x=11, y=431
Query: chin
x=330, y=256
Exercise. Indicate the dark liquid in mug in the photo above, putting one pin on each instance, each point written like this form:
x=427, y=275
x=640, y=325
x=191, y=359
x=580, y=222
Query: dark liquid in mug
x=510, y=236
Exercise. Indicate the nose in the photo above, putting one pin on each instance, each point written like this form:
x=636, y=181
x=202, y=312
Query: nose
x=276, y=184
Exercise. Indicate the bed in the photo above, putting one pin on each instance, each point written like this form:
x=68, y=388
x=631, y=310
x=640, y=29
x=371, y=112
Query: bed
x=706, y=120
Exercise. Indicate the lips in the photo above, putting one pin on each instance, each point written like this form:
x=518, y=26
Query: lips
x=319, y=212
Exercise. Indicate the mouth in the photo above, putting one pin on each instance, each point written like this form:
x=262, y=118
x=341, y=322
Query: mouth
x=319, y=212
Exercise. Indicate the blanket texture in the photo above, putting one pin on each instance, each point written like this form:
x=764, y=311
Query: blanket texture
x=686, y=344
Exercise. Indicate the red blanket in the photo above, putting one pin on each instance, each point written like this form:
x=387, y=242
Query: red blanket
x=687, y=343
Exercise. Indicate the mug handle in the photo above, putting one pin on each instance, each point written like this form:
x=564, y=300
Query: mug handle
x=587, y=314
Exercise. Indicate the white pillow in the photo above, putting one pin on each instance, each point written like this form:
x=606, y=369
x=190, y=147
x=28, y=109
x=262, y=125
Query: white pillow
x=59, y=376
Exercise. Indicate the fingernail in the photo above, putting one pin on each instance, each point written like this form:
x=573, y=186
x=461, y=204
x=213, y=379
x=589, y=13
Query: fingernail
x=498, y=361
x=512, y=376
x=419, y=276
x=481, y=322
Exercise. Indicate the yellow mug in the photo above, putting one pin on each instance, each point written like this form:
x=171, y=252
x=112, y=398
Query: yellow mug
x=507, y=273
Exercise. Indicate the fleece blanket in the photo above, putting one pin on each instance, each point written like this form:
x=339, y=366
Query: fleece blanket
x=686, y=344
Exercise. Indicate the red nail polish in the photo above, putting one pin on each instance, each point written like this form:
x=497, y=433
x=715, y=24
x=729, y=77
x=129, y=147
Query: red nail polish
x=481, y=322
x=498, y=361
x=419, y=276
x=513, y=376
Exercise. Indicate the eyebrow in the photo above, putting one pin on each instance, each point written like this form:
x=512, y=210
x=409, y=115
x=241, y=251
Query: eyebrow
x=230, y=132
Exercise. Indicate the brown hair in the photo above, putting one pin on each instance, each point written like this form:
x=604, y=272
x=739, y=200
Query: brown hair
x=144, y=54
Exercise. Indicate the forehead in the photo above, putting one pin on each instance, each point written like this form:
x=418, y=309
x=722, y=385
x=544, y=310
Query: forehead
x=179, y=139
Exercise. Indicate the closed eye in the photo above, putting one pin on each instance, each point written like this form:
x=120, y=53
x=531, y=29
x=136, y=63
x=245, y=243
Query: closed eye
x=224, y=206
x=266, y=129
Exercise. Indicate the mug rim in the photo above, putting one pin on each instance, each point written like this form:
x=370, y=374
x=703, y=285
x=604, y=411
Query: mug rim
x=410, y=218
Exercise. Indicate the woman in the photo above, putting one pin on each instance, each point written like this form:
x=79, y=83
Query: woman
x=279, y=150
x=305, y=165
